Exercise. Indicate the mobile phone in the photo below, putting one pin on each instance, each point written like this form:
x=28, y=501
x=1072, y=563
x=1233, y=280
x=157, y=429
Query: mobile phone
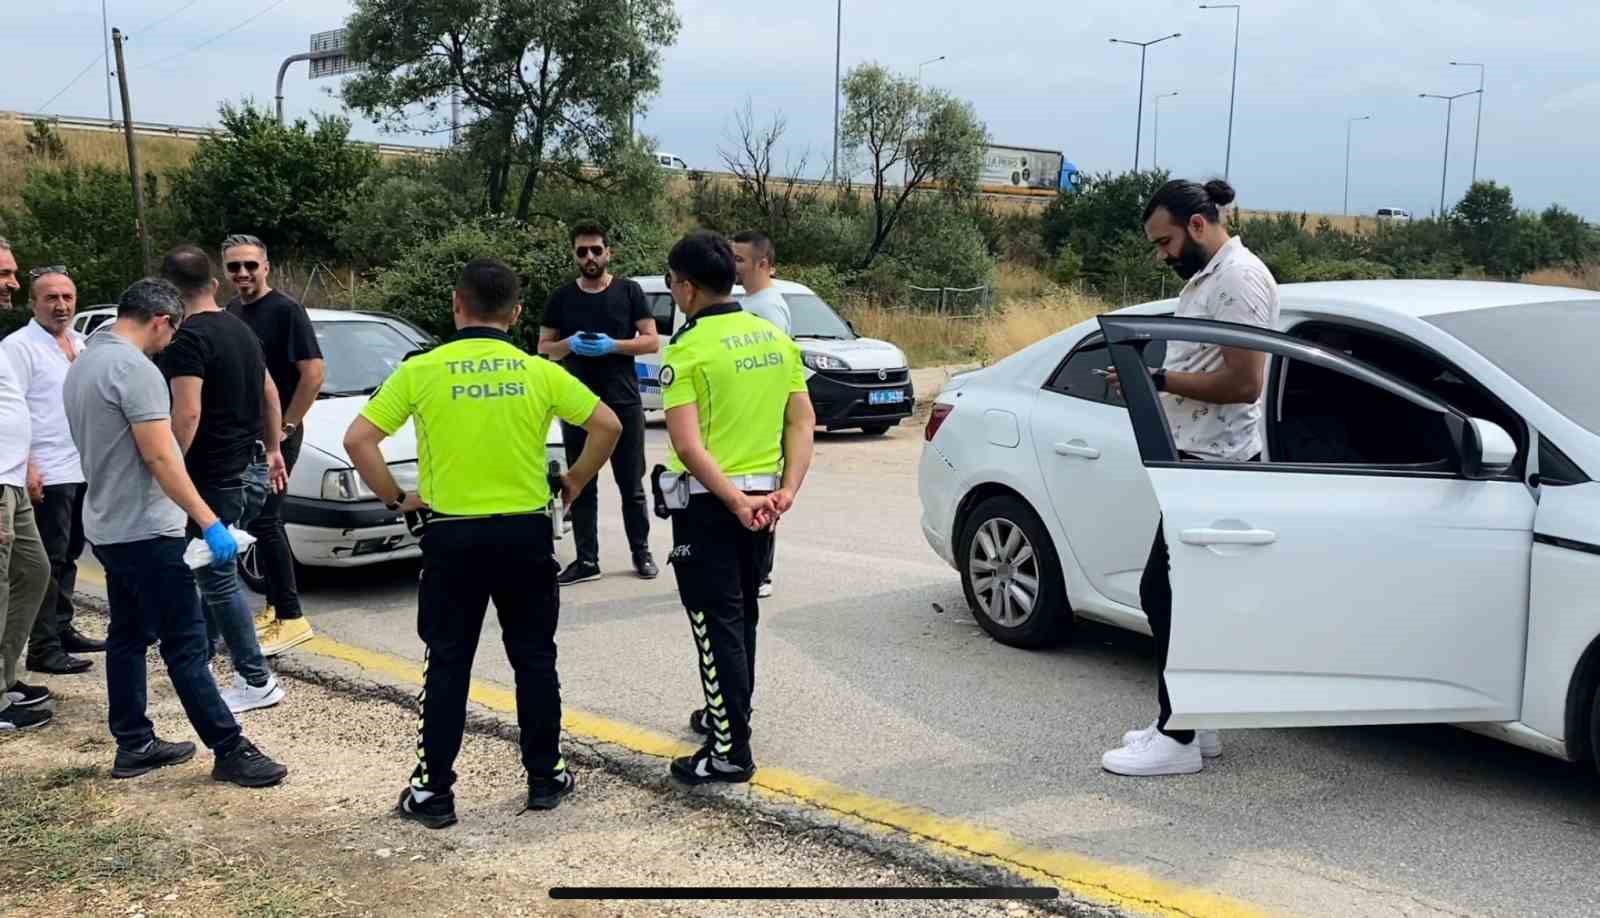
x=1099, y=372
x=589, y=335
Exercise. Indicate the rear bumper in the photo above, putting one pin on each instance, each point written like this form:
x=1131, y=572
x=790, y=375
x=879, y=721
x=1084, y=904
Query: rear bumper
x=325, y=533
x=839, y=403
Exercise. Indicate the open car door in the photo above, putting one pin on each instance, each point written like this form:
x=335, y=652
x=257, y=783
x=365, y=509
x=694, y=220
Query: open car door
x=1316, y=590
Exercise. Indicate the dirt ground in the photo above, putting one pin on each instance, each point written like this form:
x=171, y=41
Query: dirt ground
x=175, y=843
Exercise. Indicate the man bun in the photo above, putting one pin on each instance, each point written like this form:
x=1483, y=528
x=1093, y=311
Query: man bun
x=1220, y=192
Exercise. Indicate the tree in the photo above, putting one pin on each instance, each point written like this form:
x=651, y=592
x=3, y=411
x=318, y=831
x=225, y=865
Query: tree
x=750, y=157
x=911, y=138
x=290, y=185
x=1486, y=223
x=551, y=82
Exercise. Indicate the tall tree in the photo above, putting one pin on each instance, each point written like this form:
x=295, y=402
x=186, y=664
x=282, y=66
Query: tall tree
x=551, y=83
x=910, y=138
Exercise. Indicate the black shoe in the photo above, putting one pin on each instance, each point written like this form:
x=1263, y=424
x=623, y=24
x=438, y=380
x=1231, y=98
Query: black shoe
x=546, y=793
x=24, y=695
x=645, y=565
x=16, y=718
x=705, y=768
x=247, y=767
x=58, y=664
x=75, y=641
x=698, y=722
x=438, y=812
x=160, y=754
x=579, y=572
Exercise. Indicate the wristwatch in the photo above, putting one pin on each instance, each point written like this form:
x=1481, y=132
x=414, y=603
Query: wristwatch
x=289, y=427
x=399, y=500
x=1159, y=376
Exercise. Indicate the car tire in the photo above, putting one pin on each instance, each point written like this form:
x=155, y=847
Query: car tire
x=998, y=532
x=1594, y=730
x=875, y=430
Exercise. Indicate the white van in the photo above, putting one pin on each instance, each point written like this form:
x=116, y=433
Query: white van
x=668, y=161
x=1393, y=215
x=855, y=382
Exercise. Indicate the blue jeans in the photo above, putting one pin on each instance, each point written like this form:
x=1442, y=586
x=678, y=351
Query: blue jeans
x=237, y=501
x=152, y=598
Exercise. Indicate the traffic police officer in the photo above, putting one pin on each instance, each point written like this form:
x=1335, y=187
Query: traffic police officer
x=482, y=408
x=740, y=421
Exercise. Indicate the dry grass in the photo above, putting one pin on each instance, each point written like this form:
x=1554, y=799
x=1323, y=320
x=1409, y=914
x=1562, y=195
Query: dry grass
x=1586, y=279
x=932, y=340
x=1352, y=224
x=84, y=148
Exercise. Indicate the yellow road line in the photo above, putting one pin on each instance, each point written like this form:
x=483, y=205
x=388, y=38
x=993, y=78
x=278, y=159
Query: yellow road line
x=1091, y=880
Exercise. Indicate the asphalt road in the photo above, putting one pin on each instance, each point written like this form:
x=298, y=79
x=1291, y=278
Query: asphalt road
x=873, y=675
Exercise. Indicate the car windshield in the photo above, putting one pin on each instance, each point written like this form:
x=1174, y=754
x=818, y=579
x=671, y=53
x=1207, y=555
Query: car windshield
x=810, y=317
x=1547, y=347
x=359, y=355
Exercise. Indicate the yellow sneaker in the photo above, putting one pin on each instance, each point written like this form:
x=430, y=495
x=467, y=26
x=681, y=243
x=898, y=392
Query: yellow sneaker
x=264, y=618
x=284, y=634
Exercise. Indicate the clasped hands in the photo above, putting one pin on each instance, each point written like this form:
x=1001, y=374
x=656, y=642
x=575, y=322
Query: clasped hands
x=761, y=513
x=597, y=346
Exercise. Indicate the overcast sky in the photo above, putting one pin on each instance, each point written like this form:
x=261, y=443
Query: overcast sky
x=1040, y=74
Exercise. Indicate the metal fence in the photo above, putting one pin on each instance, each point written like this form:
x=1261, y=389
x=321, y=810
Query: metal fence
x=950, y=302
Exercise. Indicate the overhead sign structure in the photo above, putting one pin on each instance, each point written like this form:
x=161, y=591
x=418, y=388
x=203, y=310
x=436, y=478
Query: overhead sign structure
x=327, y=55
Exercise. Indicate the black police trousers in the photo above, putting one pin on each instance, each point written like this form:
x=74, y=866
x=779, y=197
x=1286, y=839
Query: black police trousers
x=718, y=564
x=465, y=564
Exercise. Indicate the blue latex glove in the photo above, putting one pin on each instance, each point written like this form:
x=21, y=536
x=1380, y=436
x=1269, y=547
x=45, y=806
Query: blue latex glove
x=583, y=347
x=595, y=347
x=221, y=542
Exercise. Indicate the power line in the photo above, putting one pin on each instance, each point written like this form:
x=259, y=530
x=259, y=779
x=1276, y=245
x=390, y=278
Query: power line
x=187, y=51
x=165, y=18
x=97, y=59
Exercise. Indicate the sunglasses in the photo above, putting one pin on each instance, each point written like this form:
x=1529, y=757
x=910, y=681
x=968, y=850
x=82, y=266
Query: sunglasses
x=234, y=267
x=594, y=251
x=37, y=273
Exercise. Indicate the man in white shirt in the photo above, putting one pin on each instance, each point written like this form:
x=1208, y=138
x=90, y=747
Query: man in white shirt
x=24, y=568
x=1212, y=397
x=753, y=258
x=41, y=352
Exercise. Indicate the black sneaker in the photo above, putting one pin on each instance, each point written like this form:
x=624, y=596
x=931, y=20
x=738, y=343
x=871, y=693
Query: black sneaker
x=438, y=812
x=75, y=641
x=546, y=793
x=247, y=767
x=645, y=565
x=160, y=754
x=705, y=768
x=58, y=664
x=26, y=696
x=16, y=718
x=579, y=572
x=698, y=722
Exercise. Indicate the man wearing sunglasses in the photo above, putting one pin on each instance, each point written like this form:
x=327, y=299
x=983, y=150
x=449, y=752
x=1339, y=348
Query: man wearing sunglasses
x=41, y=352
x=295, y=361
x=595, y=327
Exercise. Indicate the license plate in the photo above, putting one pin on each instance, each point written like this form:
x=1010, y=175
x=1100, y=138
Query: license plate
x=886, y=396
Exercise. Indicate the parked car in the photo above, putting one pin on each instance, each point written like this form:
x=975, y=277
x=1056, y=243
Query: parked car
x=855, y=382
x=332, y=519
x=1393, y=215
x=668, y=161
x=1420, y=542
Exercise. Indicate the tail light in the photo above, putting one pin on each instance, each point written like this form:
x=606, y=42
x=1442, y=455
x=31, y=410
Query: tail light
x=941, y=410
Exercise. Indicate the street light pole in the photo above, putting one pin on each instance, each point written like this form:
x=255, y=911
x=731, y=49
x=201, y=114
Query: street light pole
x=925, y=63
x=838, y=50
x=1450, y=104
x=1477, y=133
x=1227, y=165
x=1155, y=152
x=1138, y=130
x=105, y=28
x=1348, y=126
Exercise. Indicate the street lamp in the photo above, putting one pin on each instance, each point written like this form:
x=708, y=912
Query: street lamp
x=1138, y=129
x=1478, y=131
x=925, y=63
x=1155, y=152
x=1348, y=126
x=1233, y=90
x=1450, y=104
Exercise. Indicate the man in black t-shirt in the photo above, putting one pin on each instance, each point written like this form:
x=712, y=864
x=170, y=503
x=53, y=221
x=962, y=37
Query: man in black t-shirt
x=225, y=417
x=596, y=326
x=294, y=359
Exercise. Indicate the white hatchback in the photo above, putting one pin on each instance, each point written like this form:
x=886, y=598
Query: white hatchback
x=1420, y=541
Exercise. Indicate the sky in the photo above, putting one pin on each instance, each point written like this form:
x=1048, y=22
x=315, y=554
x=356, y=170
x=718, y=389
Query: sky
x=1039, y=74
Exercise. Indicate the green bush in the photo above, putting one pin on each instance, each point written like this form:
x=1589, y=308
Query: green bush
x=398, y=205
x=824, y=280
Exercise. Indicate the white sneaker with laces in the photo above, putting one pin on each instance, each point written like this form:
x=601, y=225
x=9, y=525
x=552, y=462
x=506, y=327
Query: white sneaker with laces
x=1210, y=740
x=765, y=590
x=246, y=697
x=1153, y=754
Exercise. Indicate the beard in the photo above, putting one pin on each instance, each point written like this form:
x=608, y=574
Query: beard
x=592, y=269
x=1191, y=261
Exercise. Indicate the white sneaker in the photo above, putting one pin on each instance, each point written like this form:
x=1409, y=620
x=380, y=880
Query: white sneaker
x=245, y=697
x=765, y=590
x=1154, y=754
x=1210, y=740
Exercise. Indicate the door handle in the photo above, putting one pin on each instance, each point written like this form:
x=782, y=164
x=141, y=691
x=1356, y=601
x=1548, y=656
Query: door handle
x=1077, y=448
x=1228, y=537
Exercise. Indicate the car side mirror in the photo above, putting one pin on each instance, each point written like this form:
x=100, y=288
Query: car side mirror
x=1487, y=451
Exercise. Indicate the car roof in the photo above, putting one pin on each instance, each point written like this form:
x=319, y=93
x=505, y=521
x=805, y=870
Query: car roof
x=653, y=283
x=1417, y=299
x=315, y=315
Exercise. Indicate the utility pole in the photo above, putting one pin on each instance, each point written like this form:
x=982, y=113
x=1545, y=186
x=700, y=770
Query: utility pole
x=105, y=31
x=1477, y=133
x=455, y=116
x=1138, y=129
x=1233, y=91
x=838, y=53
x=133, y=152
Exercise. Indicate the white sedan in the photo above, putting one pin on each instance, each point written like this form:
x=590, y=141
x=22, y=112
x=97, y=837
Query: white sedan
x=1420, y=541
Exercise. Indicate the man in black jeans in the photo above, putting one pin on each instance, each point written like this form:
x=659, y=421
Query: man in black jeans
x=595, y=327
x=138, y=502
x=295, y=361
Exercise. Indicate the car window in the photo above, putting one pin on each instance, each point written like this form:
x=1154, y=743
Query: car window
x=1324, y=417
x=810, y=317
x=662, y=308
x=1076, y=375
x=359, y=355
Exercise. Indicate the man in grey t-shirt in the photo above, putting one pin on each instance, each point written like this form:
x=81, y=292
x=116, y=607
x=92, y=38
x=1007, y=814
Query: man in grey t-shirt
x=754, y=256
x=134, y=513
